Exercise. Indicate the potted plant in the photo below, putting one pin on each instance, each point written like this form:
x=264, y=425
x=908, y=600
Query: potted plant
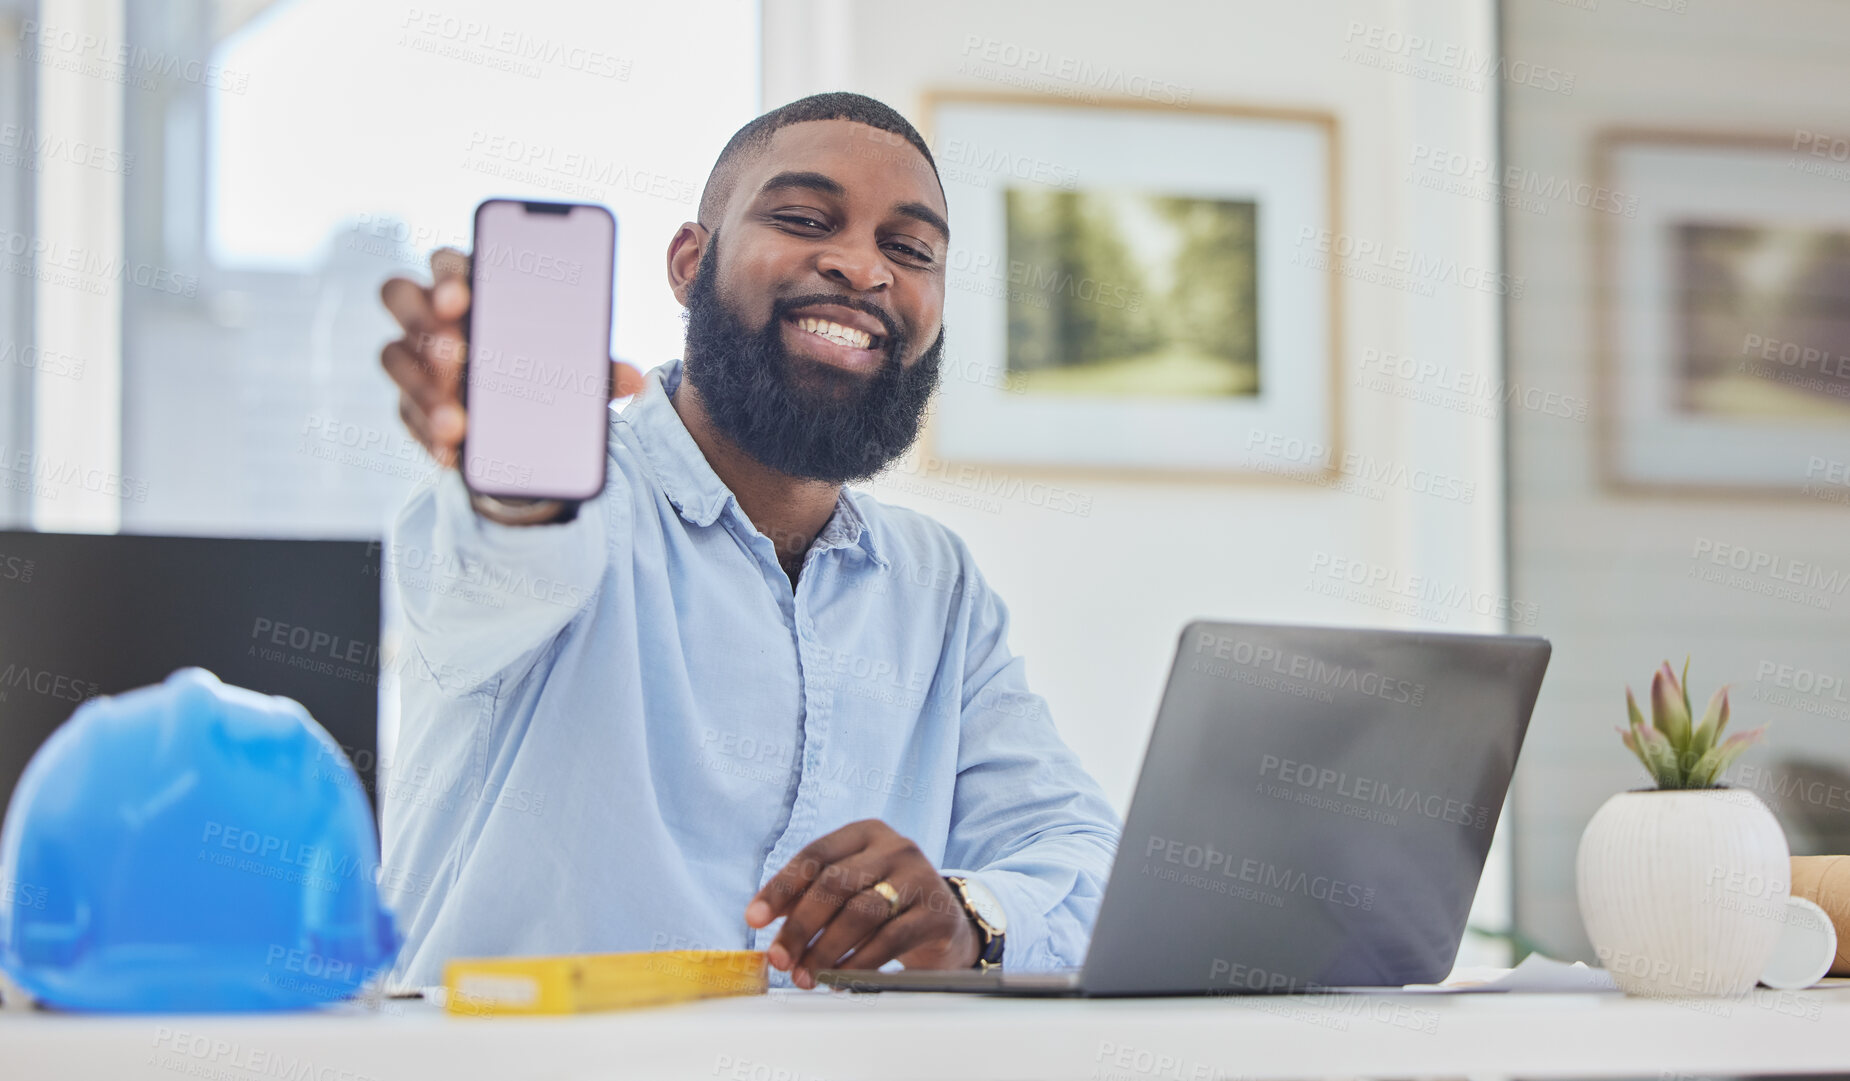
x=1681, y=886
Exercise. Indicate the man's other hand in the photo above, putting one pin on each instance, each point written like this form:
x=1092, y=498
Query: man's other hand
x=826, y=890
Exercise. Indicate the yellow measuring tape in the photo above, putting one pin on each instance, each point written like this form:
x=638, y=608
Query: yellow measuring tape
x=492, y=986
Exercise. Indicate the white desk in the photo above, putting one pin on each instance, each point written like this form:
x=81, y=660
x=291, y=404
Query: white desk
x=824, y=1036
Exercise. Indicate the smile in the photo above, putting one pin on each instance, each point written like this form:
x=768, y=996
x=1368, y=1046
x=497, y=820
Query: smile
x=835, y=345
x=835, y=332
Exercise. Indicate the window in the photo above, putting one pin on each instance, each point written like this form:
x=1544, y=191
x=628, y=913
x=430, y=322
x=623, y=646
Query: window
x=274, y=163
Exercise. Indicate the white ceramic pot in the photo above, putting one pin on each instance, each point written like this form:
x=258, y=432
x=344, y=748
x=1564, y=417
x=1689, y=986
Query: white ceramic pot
x=1682, y=892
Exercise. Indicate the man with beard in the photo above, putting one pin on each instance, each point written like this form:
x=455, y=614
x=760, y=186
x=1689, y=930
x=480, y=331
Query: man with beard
x=729, y=691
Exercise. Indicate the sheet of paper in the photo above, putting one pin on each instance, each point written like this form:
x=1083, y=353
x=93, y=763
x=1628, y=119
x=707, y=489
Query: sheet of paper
x=1535, y=973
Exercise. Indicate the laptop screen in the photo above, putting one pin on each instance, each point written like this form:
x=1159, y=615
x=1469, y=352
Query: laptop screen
x=1314, y=809
x=89, y=614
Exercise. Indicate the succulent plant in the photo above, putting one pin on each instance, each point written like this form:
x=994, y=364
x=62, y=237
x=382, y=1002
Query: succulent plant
x=1677, y=751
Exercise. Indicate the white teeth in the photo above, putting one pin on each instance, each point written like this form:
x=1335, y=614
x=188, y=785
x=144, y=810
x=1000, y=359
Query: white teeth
x=837, y=333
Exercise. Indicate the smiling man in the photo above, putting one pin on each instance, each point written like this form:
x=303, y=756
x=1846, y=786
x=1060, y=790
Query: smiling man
x=730, y=703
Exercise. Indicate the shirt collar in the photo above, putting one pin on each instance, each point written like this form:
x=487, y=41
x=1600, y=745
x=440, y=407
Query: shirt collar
x=692, y=486
x=850, y=527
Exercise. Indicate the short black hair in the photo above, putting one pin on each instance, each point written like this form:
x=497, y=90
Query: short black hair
x=756, y=135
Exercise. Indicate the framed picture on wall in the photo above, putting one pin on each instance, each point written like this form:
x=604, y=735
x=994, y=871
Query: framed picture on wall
x=1725, y=335
x=1137, y=288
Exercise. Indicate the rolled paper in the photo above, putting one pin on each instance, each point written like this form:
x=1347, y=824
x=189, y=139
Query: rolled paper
x=1825, y=881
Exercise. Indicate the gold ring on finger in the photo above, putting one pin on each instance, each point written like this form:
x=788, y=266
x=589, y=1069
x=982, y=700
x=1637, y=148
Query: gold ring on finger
x=886, y=890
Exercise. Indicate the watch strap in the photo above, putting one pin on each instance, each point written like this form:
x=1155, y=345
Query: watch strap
x=991, y=942
x=524, y=511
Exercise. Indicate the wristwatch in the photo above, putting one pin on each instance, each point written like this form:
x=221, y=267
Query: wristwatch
x=524, y=511
x=986, y=912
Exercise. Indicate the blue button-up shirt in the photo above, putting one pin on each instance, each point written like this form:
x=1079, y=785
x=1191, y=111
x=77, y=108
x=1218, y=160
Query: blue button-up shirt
x=615, y=730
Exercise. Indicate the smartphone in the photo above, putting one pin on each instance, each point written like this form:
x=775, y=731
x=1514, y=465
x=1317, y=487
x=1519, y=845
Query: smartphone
x=536, y=380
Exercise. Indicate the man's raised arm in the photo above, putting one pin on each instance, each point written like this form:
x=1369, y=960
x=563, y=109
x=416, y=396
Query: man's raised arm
x=484, y=583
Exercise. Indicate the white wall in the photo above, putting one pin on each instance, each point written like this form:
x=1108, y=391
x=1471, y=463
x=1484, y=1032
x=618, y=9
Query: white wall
x=1612, y=570
x=1098, y=600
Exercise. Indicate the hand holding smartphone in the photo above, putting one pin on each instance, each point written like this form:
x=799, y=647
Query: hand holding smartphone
x=529, y=318
x=537, y=385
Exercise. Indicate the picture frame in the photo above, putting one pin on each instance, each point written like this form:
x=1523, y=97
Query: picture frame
x=1195, y=409
x=1713, y=376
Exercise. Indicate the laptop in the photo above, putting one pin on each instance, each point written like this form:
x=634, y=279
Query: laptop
x=91, y=614
x=1313, y=813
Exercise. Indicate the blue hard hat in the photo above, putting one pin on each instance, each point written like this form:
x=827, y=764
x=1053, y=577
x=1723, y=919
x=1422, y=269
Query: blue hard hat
x=191, y=846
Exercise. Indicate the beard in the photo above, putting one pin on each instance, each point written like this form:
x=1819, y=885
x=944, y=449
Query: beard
x=834, y=427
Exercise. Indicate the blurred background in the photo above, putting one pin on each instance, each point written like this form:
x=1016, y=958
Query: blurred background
x=1529, y=316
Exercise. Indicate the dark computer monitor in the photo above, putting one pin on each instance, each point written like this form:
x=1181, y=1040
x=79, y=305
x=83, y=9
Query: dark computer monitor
x=89, y=614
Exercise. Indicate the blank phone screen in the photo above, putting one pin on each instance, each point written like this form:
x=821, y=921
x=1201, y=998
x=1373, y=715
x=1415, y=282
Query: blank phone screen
x=538, y=393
